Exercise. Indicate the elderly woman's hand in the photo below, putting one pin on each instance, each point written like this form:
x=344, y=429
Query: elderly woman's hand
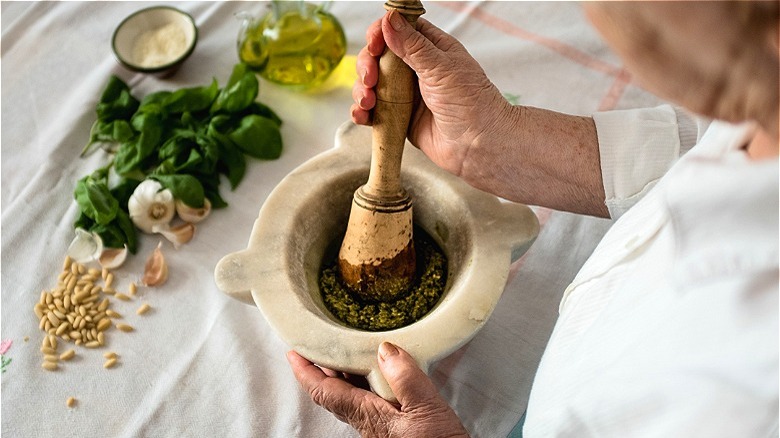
x=422, y=411
x=459, y=103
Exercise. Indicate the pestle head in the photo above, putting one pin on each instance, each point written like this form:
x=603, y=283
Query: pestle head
x=377, y=260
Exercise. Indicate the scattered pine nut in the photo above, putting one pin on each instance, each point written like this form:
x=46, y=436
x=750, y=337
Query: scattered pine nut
x=143, y=309
x=68, y=355
x=48, y=350
x=70, y=402
x=109, y=281
x=51, y=358
x=109, y=355
x=113, y=314
x=125, y=327
x=110, y=363
x=50, y=366
x=121, y=296
x=103, y=324
x=92, y=344
x=133, y=289
x=66, y=264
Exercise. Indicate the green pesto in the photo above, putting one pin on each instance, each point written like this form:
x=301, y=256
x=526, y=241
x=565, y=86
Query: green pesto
x=377, y=316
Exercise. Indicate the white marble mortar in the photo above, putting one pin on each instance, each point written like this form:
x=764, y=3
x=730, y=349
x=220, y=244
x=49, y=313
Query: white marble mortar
x=305, y=217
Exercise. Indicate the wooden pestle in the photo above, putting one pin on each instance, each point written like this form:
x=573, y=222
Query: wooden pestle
x=377, y=258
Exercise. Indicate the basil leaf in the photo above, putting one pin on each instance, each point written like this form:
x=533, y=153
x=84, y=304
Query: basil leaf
x=95, y=200
x=239, y=92
x=265, y=111
x=116, y=102
x=128, y=229
x=231, y=161
x=258, y=137
x=191, y=99
x=186, y=188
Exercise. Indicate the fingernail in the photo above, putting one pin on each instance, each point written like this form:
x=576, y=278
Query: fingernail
x=386, y=350
x=362, y=103
x=396, y=20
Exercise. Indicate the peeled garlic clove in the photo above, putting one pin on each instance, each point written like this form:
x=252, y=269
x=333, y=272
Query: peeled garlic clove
x=85, y=247
x=156, y=270
x=150, y=205
x=191, y=214
x=112, y=258
x=178, y=235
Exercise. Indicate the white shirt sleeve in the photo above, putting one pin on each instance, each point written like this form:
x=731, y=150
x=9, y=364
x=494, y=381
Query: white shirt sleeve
x=638, y=146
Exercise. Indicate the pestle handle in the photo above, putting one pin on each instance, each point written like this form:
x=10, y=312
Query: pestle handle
x=394, y=98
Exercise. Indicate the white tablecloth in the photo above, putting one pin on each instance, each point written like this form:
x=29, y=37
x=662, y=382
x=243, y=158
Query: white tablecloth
x=200, y=363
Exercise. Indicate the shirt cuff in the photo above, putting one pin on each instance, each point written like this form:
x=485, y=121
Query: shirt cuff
x=637, y=147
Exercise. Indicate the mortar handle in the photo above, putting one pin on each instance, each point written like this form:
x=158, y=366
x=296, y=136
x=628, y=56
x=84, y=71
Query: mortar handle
x=395, y=90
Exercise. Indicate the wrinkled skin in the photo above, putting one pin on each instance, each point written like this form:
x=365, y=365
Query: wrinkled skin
x=421, y=411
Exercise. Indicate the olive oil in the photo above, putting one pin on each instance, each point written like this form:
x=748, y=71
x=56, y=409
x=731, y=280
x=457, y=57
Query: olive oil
x=297, y=44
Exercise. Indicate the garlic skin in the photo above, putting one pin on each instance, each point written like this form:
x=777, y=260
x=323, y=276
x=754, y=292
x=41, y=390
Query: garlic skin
x=156, y=269
x=191, y=214
x=150, y=205
x=85, y=247
x=178, y=235
x=112, y=258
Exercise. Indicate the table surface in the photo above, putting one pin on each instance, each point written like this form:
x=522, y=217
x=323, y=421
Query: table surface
x=200, y=363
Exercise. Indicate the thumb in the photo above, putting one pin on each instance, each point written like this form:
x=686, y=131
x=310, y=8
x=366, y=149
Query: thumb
x=409, y=44
x=409, y=383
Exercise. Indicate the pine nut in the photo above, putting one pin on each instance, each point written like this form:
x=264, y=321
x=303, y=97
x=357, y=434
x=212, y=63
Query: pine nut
x=125, y=327
x=51, y=358
x=143, y=309
x=103, y=305
x=70, y=402
x=109, y=280
x=92, y=344
x=48, y=350
x=109, y=363
x=66, y=264
x=82, y=269
x=113, y=314
x=109, y=355
x=133, y=288
x=53, y=319
x=68, y=355
x=101, y=338
x=74, y=269
x=53, y=341
x=121, y=296
x=103, y=324
x=66, y=302
x=51, y=366
x=104, y=273
x=75, y=334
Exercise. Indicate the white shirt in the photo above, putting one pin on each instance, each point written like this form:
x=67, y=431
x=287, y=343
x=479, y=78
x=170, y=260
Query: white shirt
x=670, y=329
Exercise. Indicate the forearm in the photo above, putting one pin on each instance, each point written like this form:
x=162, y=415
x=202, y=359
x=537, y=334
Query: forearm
x=540, y=157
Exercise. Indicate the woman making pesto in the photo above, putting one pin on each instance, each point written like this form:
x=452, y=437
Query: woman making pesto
x=671, y=327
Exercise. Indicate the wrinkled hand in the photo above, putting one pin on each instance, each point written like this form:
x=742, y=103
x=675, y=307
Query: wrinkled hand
x=422, y=411
x=459, y=103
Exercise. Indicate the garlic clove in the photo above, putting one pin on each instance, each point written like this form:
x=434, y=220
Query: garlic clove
x=85, y=247
x=191, y=214
x=151, y=205
x=178, y=235
x=112, y=258
x=156, y=269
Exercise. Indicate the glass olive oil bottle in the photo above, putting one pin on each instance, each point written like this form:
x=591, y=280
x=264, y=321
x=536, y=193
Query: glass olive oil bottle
x=296, y=44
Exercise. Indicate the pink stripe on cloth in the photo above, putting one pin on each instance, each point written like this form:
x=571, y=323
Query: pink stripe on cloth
x=559, y=47
x=616, y=91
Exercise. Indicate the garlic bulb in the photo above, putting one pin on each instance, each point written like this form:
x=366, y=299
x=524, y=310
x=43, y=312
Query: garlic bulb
x=150, y=205
x=191, y=214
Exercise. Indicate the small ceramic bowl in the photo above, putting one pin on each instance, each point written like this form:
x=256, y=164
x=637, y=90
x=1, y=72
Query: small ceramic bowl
x=155, y=40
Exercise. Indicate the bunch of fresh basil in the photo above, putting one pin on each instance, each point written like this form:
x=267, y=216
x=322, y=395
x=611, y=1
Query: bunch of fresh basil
x=184, y=139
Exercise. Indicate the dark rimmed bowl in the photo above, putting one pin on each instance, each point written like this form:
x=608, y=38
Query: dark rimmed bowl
x=155, y=40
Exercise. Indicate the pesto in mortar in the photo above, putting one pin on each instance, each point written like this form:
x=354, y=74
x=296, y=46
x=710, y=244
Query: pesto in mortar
x=377, y=316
